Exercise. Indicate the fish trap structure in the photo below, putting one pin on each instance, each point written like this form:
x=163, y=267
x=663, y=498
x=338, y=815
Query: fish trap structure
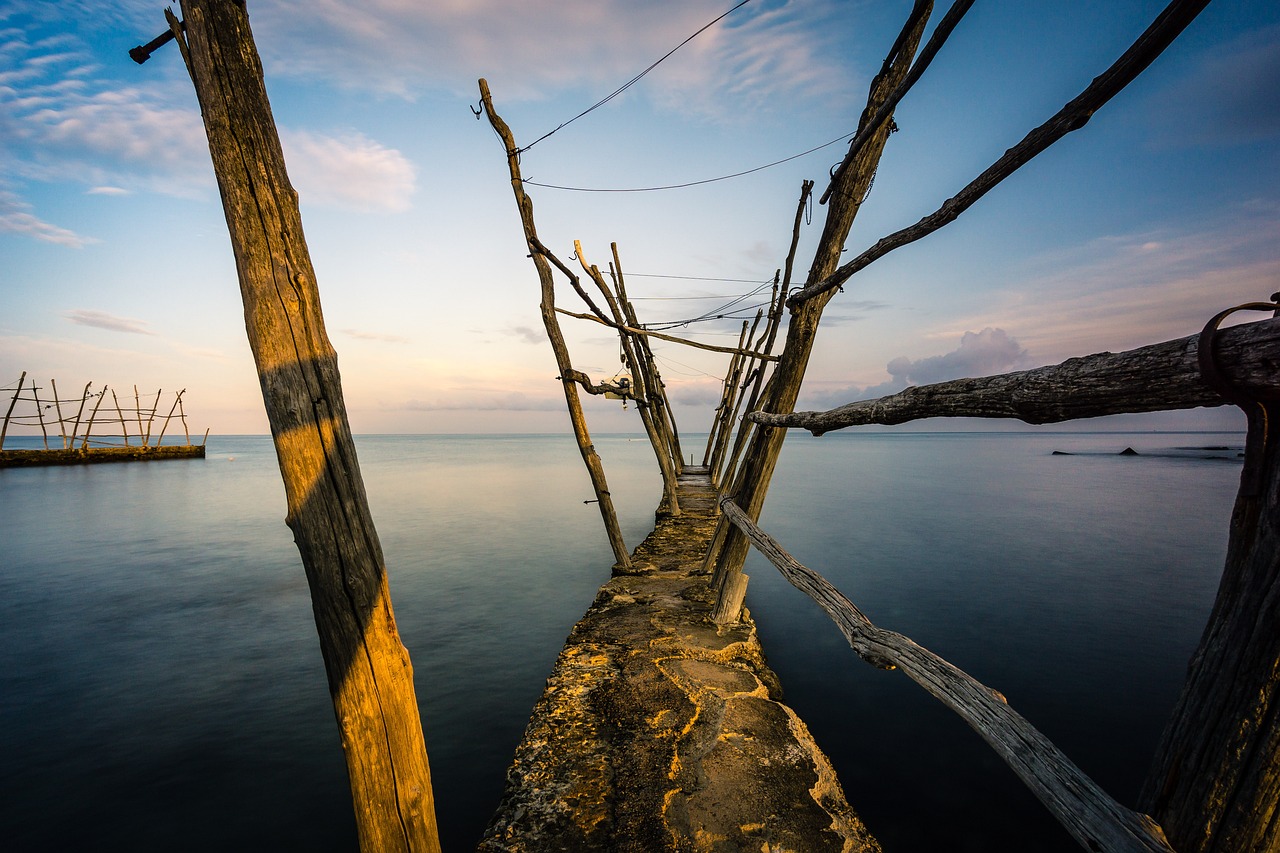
x=60, y=431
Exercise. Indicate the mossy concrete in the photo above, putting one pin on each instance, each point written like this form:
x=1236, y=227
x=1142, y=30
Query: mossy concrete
x=660, y=731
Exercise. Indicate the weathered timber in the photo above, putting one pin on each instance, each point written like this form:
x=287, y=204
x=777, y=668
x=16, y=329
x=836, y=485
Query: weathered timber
x=90, y=455
x=9, y=412
x=669, y=338
x=1073, y=116
x=724, y=412
x=761, y=456
x=370, y=675
x=57, y=408
x=1092, y=817
x=1215, y=780
x=1153, y=378
x=659, y=731
x=670, y=500
x=542, y=259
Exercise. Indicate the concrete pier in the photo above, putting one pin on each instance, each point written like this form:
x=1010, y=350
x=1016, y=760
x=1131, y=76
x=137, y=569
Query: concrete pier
x=659, y=731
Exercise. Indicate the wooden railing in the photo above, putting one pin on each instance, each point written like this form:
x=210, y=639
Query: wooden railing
x=1092, y=817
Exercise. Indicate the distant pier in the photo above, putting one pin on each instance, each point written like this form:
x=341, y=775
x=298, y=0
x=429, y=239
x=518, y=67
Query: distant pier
x=659, y=730
x=89, y=455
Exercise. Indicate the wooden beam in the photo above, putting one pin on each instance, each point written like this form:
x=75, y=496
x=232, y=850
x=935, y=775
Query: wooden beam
x=1073, y=116
x=670, y=338
x=1086, y=811
x=370, y=675
x=1153, y=378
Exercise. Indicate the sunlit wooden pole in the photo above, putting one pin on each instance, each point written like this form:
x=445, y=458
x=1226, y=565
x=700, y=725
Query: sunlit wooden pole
x=370, y=676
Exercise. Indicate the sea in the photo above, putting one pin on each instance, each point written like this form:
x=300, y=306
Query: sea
x=161, y=685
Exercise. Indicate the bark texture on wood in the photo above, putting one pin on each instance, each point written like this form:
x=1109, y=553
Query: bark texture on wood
x=1092, y=817
x=542, y=260
x=1215, y=780
x=1073, y=116
x=670, y=500
x=370, y=676
x=1153, y=378
x=848, y=192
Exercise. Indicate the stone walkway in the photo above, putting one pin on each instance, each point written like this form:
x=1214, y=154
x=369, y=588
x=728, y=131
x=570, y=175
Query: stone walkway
x=659, y=731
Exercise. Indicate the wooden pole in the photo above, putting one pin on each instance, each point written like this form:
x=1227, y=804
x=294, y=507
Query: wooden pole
x=137, y=411
x=92, y=415
x=75, y=430
x=13, y=402
x=670, y=503
x=739, y=397
x=206, y=436
x=370, y=674
x=124, y=425
x=57, y=407
x=35, y=393
x=151, y=418
x=542, y=259
x=848, y=191
x=183, y=416
x=172, y=409
x=726, y=398
x=1215, y=780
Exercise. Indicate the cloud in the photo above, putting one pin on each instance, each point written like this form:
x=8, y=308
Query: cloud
x=102, y=320
x=107, y=191
x=374, y=336
x=528, y=334
x=16, y=218
x=400, y=47
x=984, y=353
x=349, y=171
x=514, y=401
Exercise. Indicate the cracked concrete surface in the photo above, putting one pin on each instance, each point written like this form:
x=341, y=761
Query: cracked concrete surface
x=659, y=731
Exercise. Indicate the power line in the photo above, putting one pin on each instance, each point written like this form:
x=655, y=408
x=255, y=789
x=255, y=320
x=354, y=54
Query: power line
x=842, y=138
x=627, y=85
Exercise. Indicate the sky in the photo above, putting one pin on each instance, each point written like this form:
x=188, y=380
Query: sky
x=116, y=268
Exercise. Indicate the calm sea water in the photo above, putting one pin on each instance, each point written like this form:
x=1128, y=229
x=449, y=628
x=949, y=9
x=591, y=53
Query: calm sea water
x=161, y=685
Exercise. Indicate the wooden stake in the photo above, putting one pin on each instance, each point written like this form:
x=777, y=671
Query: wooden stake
x=75, y=430
x=137, y=410
x=542, y=260
x=93, y=415
x=57, y=407
x=124, y=426
x=13, y=402
x=151, y=418
x=370, y=675
x=183, y=415
x=176, y=401
x=35, y=393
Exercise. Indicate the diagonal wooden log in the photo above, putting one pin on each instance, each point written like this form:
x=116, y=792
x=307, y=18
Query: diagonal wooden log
x=542, y=260
x=369, y=672
x=1153, y=378
x=636, y=330
x=1073, y=116
x=1086, y=811
x=729, y=547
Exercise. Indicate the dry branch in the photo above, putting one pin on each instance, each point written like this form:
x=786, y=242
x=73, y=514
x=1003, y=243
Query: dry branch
x=1176, y=16
x=670, y=338
x=1092, y=817
x=1153, y=378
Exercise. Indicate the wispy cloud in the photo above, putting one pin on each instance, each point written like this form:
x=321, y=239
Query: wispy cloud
x=103, y=320
x=401, y=47
x=348, y=171
x=374, y=336
x=107, y=191
x=462, y=401
x=16, y=218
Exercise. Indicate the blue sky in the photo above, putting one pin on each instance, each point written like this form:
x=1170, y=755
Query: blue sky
x=117, y=267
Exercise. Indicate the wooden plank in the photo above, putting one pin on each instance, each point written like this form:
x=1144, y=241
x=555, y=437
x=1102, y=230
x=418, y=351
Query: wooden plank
x=1092, y=817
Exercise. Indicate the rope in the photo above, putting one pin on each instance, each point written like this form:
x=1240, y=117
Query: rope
x=627, y=85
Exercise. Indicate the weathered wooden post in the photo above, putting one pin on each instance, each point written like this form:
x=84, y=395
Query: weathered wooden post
x=172, y=409
x=35, y=395
x=84, y=398
x=370, y=676
x=124, y=425
x=849, y=189
x=13, y=402
x=1215, y=783
x=57, y=407
x=92, y=416
x=151, y=418
x=539, y=254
